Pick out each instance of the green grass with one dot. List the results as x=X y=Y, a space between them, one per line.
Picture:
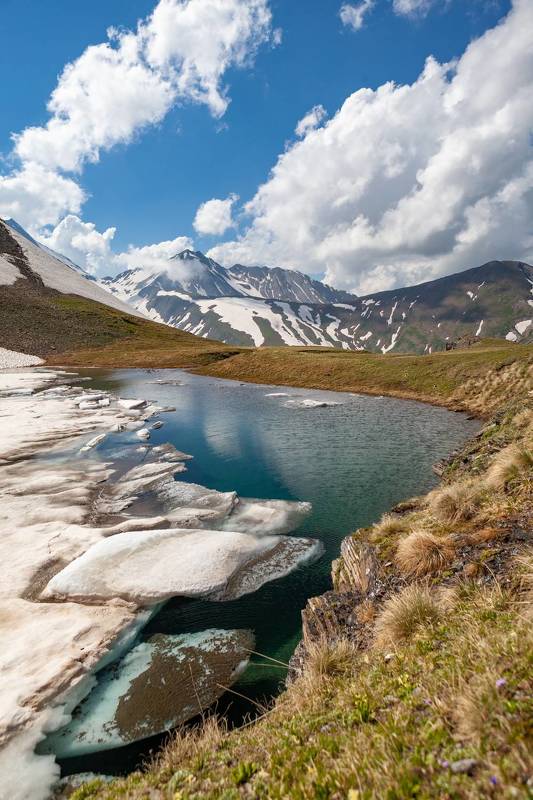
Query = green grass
x=434 y=378
x=380 y=728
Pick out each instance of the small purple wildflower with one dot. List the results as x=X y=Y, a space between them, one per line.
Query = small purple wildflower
x=494 y=780
x=500 y=682
x=445 y=764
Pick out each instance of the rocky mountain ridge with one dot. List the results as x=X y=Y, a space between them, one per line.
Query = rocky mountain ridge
x=264 y=306
x=256 y=306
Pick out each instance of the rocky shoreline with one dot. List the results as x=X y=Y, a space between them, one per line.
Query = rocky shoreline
x=83 y=573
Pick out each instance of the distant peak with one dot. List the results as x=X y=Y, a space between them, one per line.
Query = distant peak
x=15 y=226
x=190 y=255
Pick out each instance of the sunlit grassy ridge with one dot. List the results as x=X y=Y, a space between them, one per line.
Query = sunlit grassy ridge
x=426 y=689
x=438 y=378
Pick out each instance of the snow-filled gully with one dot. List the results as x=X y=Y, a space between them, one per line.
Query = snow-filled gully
x=82 y=575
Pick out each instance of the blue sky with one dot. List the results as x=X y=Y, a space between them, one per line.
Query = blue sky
x=150 y=188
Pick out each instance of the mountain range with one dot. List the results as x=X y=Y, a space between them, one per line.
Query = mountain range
x=259 y=305
x=271 y=306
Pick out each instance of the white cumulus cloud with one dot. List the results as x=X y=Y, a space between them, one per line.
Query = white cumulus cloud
x=214 y=217
x=353 y=16
x=407 y=183
x=311 y=120
x=81 y=242
x=153 y=257
x=411 y=8
x=114 y=90
x=37 y=196
x=93 y=250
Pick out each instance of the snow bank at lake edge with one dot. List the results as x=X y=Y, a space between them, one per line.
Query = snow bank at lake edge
x=48 y=503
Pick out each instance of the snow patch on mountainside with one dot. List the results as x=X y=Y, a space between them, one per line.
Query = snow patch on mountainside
x=57 y=275
x=522 y=326
x=8 y=272
x=10 y=359
x=243 y=314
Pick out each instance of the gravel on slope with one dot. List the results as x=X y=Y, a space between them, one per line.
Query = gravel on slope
x=10 y=359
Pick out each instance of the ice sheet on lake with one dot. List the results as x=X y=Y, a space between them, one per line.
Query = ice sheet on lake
x=147 y=567
x=308 y=402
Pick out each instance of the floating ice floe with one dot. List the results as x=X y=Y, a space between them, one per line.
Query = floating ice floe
x=262 y=517
x=143 y=433
x=132 y=405
x=88 y=398
x=277 y=394
x=147 y=567
x=92 y=442
x=309 y=403
x=156 y=686
x=157 y=425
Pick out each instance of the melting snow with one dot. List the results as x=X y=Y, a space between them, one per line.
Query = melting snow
x=181 y=295
x=393 y=341
x=309 y=403
x=332 y=328
x=479 y=328
x=522 y=327
x=10 y=359
x=389 y=321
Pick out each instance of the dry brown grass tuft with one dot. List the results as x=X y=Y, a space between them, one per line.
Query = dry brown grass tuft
x=327 y=659
x=524 y=573
x=423 y=553
x=474 y=706
x=523 y=419
x=511 y=463
x=485 y=535
x=413 y=609
x=390 y=524
x=456 y=502
x=190 y=743
x=365 y=613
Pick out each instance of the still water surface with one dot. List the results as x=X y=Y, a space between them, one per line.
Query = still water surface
x=352 y=461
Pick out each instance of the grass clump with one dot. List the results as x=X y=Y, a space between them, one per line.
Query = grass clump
x=405 y=614
x=326 y=659
x=510 y=464
x=455 y=502
x=389 y=525
x=423 y=553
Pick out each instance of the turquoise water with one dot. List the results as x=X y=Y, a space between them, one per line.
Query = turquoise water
x=352 y=461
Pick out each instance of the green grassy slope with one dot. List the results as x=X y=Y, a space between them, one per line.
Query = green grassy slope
x=48 y=324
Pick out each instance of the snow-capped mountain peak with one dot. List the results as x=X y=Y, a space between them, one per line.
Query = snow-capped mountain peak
x=262 y=305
